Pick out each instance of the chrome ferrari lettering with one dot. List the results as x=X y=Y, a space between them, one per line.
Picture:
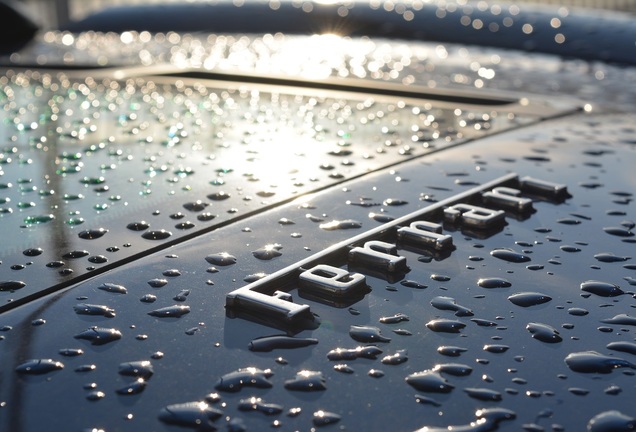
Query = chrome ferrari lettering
x=378 y=255
x=425 y=234
x=326 y=280
x=278 y=306
x=542 y=188
x=337 y=276
x=474 y=216
x=507 y=198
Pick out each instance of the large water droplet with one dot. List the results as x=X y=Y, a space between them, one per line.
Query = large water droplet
x=193 y=415
x=509 y=255
x=324 y=418
x=91 y=309
x=139 y=369
x=113 y=288
x=611 y=421
x=269 y=343
x=92 y=234
x=258 y=404
x=367 y=334
x=174 y=311
x=39 y=366
x=341 y=225
x=493 y=282
x=544 y=332
x=221 y=259
x=99 y=335
x=448 y=303
x=369 y=352
x=268 y=252
x=395 y=359
x=429 y=381
x=483 y=394
x=527 y=299
x=445 y=325
x=306 y=380
x=247 y=377
x=594 y=362
x=11 y=285
x=156 y=234
x=603 y=289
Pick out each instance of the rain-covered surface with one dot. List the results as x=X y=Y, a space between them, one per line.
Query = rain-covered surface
x=440 y=346
x=175 y=192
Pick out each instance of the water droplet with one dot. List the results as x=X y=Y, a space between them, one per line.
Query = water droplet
x=341 y=225
x=610 y=257
x=527 y=299
x=603 y=289
x=171 y=273
x=92 y=234
x=367 y=334
x=113 y=288
x=98 y=259
x=138 y=226
x=11 y=285
x=568 y=221
x=395 y=359
x=258 y=404
x=71 y=352
x=247 y=377
x=306 y=380
x=611 y=421
x=594 y=362
x=174 y=311
x=483 y=394
x=544 y=332
x=33 y=252
x=218 y=196
x=91 y=309
x=448 y=303
x=343 y=368
x=394 y=319
x=496 y=348
x=440 y=278
x=622 y=346
x=268 y=252
x=206 y=217
x=621 y=319
x=148 y=298
x=324 y=418
x=75 y=254
x=138 y=369
x=269 y=343
x=509 y=255
x=39 y=366
x=99 y=335
x=368 y=352
x=445 y=325
x=451 y=351
x=493 y=283
x=195 y=206
x=429 y=381
x=193 y=415
x=619 y=231
x=36 y=220
x=156 y=234
x=375 y=373
x=413 y=284
x=578 y=311
x=488 y=419
x=221 y=259
x=184 y=225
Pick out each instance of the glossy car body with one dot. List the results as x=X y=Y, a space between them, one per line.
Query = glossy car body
x=230 y=230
